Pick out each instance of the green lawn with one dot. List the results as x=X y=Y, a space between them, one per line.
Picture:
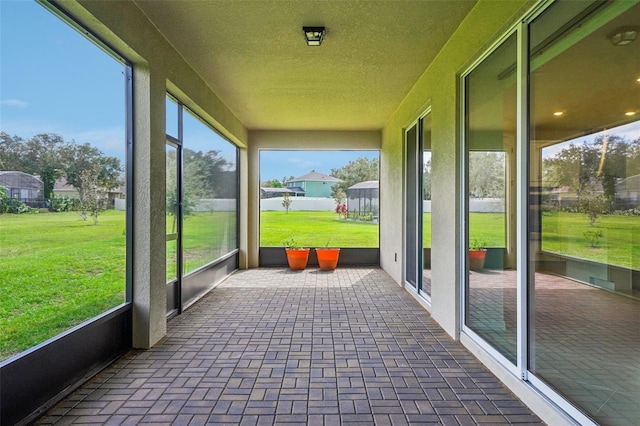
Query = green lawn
x=206 y=236
x=55 y=272
x=315 y=229
x=619 y=245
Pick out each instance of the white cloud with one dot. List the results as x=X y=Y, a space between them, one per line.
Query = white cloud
x=304 y=163
x=14 y=103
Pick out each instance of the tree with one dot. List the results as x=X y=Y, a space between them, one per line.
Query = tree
x=612 y=165
x=106 y=171
x=272 y=183
x=286 y=201
x=214 y=169
x=633 y=158
x=44 y=152
x=94 y=197
x=593 y=166
x=203 y=173
x=594 y=205
x=92 y=174
x=486 y=174
x=360 y=170
x=49 y=157
x=426 y=180
x=11 y=152
x=171 y=194
x=4 y=198
x=39 y=156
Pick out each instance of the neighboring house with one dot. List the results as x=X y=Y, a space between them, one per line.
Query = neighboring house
x=267 y=192
x=63 y=189
x=22 y=186
x=628 y=192
x=313 y=184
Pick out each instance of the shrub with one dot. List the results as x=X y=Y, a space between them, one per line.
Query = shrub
x=14 y=206
x=628 y=212
x=62 y=204
x=593 y=236
x=594 y=205
x=366 y=217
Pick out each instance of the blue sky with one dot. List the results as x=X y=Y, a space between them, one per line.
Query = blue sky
x=54 y=80
x=280 y=164
x=630 y=132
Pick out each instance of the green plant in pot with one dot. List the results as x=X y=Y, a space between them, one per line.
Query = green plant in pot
x=477 y=254
x=327 y=257
x=297 y=256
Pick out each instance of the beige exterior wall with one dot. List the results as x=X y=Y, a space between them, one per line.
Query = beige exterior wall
x=157 y=67
x=438 y=88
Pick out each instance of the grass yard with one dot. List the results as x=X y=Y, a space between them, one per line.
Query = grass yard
x=619 y=245
x=488 y=228
x=315 y=229
x=206 y=236
x=57 y=271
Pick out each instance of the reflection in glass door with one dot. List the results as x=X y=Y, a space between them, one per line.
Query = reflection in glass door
x=584 y=212
x=425 y=190
x=173 y=164
x=490 y=133
x=173 y=227
x=418 y=206
x=413 y=226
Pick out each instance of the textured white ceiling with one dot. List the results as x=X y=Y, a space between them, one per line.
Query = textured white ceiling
x=254 y=57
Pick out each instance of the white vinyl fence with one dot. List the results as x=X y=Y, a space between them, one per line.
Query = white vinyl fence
x=298 y=204
x=477 y=205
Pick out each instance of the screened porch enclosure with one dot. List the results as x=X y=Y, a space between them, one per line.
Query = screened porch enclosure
x=363 y=201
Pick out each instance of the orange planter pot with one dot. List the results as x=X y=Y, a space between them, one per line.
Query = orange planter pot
x=297 y=258
x=476 y=259
x=328 y=258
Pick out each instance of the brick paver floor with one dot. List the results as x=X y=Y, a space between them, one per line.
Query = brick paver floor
x=272 y=346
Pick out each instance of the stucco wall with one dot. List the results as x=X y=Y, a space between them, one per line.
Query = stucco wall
x=157 y=68
x=438 y=88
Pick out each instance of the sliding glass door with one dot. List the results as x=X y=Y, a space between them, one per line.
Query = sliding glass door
x=417 y=268
x=552 y=199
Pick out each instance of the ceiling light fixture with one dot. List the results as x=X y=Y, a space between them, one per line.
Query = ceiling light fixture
x=314 y=35
x=558 y=113
x=623 y=36
x=630 y=113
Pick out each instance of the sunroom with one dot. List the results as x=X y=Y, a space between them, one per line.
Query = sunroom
x=507 y=127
